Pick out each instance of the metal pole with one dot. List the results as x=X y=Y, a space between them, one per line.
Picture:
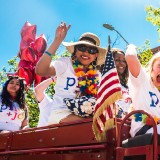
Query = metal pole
x=122 y=37
x=110 y=27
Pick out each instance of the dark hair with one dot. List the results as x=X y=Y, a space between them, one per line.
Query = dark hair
x=124 y=76
x=20 y=97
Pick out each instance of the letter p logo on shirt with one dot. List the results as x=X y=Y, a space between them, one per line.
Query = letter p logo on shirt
x=154 y=99
x=70 y=82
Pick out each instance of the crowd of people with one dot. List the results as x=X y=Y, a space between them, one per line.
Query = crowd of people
x=77 y=80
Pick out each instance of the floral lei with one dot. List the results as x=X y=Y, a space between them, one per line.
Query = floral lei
x=88 y=78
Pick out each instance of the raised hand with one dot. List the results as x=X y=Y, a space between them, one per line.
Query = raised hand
x=61 y=31
x=131 y=50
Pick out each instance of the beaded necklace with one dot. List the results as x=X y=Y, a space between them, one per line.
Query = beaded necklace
x=88 y=78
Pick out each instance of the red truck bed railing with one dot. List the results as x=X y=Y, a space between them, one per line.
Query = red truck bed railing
x=69 y=141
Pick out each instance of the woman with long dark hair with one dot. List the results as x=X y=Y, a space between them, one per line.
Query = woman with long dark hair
x=13 y=110
x=124 y=104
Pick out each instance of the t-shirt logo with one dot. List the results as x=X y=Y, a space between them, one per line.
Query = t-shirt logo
x=70 y=82
x=154 y=99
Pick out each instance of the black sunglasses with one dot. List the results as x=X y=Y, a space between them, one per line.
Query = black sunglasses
x=84 y=48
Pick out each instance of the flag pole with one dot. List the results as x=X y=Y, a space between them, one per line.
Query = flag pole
x=109 y=42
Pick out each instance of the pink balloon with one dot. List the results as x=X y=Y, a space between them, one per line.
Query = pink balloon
x=37 y=80
x=28 y=32
x=23 y=44
x=39 y=55
x=26 y=64
x=31 y=49
x=28 y=54
x=27 y=75
x=40 y=43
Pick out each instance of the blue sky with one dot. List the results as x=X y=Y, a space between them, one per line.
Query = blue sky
x=126 y=16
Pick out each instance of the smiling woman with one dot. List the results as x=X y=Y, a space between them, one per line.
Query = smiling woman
x=13 y=111
x=121 y=65
x=123 y=105
x=77 y=76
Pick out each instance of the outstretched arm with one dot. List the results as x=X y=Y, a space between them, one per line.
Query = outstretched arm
x=134 y=65
x=44 y=67
x=41 y=87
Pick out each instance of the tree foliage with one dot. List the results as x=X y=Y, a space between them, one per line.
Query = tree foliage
x=145 y=53
x=153 y=16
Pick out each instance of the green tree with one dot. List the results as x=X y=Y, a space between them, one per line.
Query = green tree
x=12 y=67
x=145 y=53
x=153 y=16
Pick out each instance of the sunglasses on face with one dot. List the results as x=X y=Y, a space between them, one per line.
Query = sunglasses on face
x=84 y=48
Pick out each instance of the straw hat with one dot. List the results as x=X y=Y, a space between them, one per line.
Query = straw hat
x=91 y=40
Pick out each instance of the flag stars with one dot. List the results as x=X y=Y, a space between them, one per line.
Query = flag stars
x=109 y=63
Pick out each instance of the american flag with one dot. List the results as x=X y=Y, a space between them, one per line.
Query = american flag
x=109 y=91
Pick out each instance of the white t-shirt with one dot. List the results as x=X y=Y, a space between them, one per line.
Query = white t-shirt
x=11 y=119
x=65 y=87
x=66 y=83
x=145 y=96
x=44 y=111
x=123 y=105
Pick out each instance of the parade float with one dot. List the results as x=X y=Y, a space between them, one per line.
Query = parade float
x=75 y=140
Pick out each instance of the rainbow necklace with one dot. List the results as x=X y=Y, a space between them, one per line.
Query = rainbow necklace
x=88 y=79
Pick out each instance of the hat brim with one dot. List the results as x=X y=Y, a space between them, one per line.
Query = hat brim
x=101 y=55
